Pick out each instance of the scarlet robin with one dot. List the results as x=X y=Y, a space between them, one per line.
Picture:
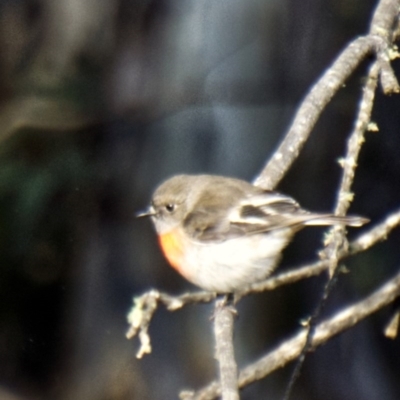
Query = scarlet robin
x=224 y=233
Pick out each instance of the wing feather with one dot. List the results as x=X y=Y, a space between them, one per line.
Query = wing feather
x=257 y=214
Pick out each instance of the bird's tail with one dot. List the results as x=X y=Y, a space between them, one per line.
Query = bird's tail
x=330 y=219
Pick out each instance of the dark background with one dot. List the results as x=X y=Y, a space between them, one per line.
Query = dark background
x=101 y=100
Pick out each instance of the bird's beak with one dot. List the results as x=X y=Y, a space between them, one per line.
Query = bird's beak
x=146 y=213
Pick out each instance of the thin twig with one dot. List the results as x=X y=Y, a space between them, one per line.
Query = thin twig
x=291 y=348
x=376 y=234
x=349 y=163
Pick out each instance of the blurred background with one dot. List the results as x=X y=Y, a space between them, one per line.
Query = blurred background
x=101 y=100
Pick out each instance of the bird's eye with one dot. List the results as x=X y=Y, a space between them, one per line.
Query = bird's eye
x=170 y=207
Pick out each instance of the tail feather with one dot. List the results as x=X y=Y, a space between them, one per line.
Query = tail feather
x=330 y=219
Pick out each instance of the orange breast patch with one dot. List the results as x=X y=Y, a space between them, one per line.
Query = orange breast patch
x=172 y=246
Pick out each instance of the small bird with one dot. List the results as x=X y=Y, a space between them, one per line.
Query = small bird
x=222 y=233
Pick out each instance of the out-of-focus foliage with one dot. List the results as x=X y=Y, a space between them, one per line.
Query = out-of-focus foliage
x=100 y=100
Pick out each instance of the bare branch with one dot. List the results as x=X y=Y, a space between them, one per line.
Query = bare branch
x=224 y=350
x=378 y=233
x=336 y=241
x=378 y=41
x=349 y=163
x=309 y=112
x=383 y=18
x=382 y=25
x=291 y=348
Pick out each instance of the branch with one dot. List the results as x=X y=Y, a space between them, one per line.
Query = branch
x=377 y=41
x=336 y=241
x=291 y=348
x=224 y=316
x=362 y=122
x=224 y=351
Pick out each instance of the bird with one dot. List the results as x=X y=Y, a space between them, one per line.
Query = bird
x=223 y=234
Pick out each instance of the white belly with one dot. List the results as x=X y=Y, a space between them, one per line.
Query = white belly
x=231 y=265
